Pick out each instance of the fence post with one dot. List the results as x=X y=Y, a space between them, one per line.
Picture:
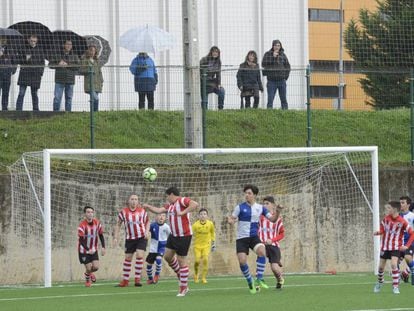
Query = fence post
x=308 y=108
x=91 y=101
x=412 y=113
x=204 y=103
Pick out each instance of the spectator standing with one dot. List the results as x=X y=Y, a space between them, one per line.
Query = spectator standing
x=277 y=69
x=145 y=79
x=7 y=69
x=90 y=66
x=210 y=66
x=249 y=80
x=32 y=62
x=66 y=65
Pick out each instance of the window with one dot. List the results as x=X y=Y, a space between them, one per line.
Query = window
x=325 y=91
x=322 y=15
x=331 y=65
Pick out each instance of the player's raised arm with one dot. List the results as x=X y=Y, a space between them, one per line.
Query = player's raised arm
x=192 y=205
x=154 y=209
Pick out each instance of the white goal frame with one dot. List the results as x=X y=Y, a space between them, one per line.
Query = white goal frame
x=48 y=153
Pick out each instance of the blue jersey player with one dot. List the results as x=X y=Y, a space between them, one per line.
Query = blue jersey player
x=247 y=214
x=405 y=203
x=159 y=235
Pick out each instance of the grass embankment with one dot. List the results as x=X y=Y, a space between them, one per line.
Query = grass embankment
x=389 y=130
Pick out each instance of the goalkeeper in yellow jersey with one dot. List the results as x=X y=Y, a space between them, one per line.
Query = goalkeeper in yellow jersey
x=204 y=238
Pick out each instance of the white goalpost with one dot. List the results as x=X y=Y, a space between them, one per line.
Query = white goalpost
x=331 y=196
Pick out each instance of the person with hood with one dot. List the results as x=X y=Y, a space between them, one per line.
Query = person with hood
x=145 y=79
x=32 y=66
x=249 y=80
x=210 y=66
x=7 y=69
x=277 y=69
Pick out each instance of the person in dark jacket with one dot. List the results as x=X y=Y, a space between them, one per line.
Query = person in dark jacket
x=210 y=66
x=277 y=69
x=249 y=80
x=66 y=65
x=32 y=62
x=7 y=69
x=145 y=79
x=91 y=65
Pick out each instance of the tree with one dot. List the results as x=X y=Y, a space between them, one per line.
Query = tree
x=382 y=46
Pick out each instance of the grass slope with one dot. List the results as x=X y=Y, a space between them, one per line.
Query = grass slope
x=389 y=130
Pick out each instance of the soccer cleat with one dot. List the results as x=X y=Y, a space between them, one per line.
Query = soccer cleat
x=252 y=288
x=196 y=280
x=204 y=281
x=261 y=283
x=280 y=283
x=149 y=282
x=183 y=291
x=156 y=278
x=88 y=284
x=123 y=283
x=138 y=282
x=404 y=276
x=395 y=290
x=377 y=287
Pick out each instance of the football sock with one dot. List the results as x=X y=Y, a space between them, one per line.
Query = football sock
x=395 y=277
x=380 y=276
x=205 y=268
x=246 y=273
x=126 y=269
x=261 y=265
x=184 y=271
x=87 y=277
x=174 y=265
x=158 y=265
x=139 y=264
x=149 y=271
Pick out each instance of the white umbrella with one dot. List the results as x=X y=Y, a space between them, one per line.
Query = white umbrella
x=149 y=39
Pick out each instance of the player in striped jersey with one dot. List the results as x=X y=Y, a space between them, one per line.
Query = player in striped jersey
x=408 y=254
x=159 y=235
x=179 y=240
x=247 y=214
x=135 y=221
x=392 y=230
x=88 y=232
x=270 y=234
x=204 y=241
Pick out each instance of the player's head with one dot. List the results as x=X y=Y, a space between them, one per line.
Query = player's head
x=172 y=194
x=160 y=218
x=203 y=214
x=133 y=201
x=405 y=202
x=393 y=207
x=89 y=212
x=250 y=193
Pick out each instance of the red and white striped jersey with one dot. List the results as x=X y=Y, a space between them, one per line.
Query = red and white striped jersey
x=134 y=221
x=392 y=230
x=268 y=230
x=180 y=225
x=91 y=232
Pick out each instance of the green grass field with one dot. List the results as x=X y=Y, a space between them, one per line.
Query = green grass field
x=348 y=291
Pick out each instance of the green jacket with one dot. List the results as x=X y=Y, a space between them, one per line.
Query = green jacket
x=97 y=76
x=65 y=74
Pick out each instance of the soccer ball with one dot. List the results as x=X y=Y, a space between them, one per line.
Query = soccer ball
x=149 y=174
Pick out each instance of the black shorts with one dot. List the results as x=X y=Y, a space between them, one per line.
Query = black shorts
x=244 y=244
x=273 y=253
x=409 y=251
x=132 y=245
x=151 y=257
x=389 y=254
x=180 y=245
x=88 y=258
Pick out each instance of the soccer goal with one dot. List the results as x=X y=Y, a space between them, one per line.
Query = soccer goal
x=330 y=197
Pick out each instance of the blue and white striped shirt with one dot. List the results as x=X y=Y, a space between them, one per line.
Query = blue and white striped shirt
x=248 y=218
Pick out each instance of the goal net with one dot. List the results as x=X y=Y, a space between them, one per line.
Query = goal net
x=330 y=195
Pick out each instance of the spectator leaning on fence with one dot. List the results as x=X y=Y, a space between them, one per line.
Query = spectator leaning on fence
x=66 y=65
x=276 y=68
x=249 y=80
x=90 y=66
x=32 y=62
x=145 y=79
x=7 y=69
x=210 y=66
